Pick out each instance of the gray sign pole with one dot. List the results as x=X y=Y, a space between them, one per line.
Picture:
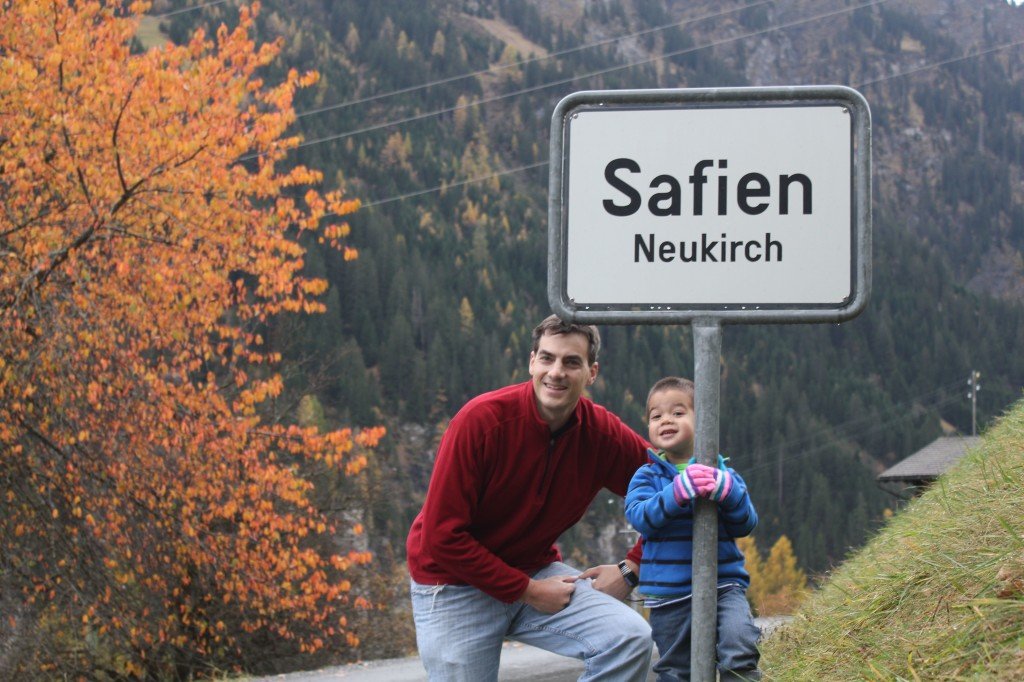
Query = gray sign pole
x=707 y=349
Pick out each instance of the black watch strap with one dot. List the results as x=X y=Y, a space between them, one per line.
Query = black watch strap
x=628 y=575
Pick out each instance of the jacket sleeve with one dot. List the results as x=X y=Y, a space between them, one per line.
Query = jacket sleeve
x=636 y=555
x=650 y=504
x=737 y=511
x=448 y=513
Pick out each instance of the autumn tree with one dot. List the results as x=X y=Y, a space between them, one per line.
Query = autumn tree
x=153 y=519
x=754 y=564
x=777 y=584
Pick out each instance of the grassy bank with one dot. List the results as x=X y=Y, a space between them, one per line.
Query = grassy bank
x=937 y=594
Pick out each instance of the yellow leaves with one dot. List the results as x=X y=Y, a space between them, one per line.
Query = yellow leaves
x=161 y=255
x=94 y=393
x=307 y=79
x=355 y=465
x=313 y=287
x=777 y=585
x=370 y=437
x=335 y=232
x=466 y=316
x=347 y=206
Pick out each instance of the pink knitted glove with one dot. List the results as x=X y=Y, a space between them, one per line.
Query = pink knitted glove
x=683 y=488
x=703 y=477
x=723 y=484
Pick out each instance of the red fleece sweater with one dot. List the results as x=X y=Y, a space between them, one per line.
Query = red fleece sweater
x=503 y=490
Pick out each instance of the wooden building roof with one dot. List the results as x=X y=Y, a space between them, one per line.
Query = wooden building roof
x=930 y=462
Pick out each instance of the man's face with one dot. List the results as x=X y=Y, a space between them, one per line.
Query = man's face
x=560 y=372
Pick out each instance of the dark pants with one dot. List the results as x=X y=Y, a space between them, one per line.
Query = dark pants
x=737 y=638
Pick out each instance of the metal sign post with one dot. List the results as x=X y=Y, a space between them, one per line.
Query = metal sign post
x=707 y=351
x=710 y=207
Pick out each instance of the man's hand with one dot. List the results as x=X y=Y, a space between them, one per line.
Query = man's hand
x=608 y=579
x=550 y=595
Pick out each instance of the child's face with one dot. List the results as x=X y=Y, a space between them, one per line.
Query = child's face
x=671 y=424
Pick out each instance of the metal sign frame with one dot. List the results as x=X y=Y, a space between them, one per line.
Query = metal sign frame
x=640 y=312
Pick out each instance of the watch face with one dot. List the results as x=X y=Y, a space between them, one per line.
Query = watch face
x=631 y=578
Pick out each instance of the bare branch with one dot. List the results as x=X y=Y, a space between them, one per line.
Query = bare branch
x=117 y=129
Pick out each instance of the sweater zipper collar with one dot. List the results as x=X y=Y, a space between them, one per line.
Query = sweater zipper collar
x=552 y=442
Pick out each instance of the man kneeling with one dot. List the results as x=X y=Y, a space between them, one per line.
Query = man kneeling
x=515 y=469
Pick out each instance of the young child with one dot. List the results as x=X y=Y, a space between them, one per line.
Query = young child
x=659 y=504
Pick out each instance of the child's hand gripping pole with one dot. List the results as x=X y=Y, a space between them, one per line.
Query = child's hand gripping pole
x=684 y=487
x=709 y=482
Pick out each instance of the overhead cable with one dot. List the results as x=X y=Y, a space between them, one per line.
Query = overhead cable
x=864 y=84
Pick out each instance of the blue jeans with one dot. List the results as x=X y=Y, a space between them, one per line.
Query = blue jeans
x=459 y=631
x=736 y=641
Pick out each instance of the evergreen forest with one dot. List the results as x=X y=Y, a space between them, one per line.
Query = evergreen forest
x=435 y=114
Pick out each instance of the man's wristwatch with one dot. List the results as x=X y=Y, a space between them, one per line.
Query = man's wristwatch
x=628 y=575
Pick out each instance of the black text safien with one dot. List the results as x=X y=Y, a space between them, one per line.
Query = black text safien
x=751 y=194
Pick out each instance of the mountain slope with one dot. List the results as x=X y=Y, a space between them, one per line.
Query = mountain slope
x=937 y=594
x=440 y=125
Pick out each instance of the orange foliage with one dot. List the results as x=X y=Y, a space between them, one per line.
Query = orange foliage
x=777 y=585
x=152 y=524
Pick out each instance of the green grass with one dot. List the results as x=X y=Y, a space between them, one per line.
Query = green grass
x=932 y=596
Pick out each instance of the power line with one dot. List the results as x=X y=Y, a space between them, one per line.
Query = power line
x=938 y=397
x=523 y=62
x=534 y=88
x=831 y=441
x=830 y=433
x=570 y=79
x=460 y=183
x=188 y=9
x=942 y=63
x=864 y=84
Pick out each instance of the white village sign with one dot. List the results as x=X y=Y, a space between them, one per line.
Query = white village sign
x=742 y=204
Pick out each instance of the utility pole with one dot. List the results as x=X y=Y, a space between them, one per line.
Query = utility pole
x=973 y=386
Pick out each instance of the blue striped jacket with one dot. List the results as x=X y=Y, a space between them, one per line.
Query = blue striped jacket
x=667 y=530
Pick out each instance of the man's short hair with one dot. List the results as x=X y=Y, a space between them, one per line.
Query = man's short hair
x=554 y=325
x=668 y=384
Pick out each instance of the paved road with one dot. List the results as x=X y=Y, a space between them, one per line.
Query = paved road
x=519 y=663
